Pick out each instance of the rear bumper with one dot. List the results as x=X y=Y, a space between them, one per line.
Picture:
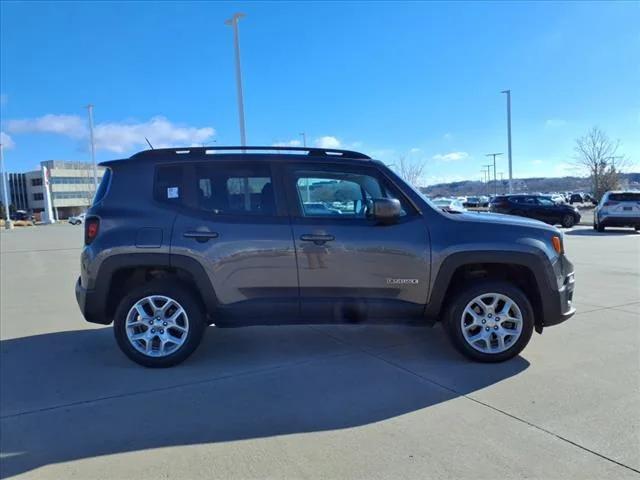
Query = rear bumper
x=90 y=305
x=613 y=221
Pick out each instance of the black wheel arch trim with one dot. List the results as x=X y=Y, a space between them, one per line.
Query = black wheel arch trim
x=536 y=262
x=96 y=300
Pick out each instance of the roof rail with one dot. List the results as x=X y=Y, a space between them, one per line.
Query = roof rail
x=200 y=151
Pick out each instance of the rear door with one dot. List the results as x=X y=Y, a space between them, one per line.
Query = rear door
x=232 y=220
x=351 y=268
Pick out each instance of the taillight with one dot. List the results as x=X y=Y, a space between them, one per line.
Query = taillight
x=91 y=229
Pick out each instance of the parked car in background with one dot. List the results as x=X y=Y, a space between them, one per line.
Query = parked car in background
x=558 y=198
x=537 y=207
x=77 y=219
x=449 y=204
x=471 y=202
x=576 y=198
x=21 y=216
x=617 y=209
x=484 y=201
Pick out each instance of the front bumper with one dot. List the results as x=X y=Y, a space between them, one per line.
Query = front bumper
x=559 y=304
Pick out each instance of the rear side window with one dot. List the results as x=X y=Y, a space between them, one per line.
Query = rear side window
x=103 y=187
x=234 y=189
x=625 y=197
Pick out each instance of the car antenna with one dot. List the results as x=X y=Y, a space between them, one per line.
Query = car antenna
x=149 y=143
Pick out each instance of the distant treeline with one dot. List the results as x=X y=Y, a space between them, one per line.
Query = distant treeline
x=524 y=185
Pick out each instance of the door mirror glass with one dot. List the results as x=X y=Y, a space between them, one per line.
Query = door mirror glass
x=385 y=210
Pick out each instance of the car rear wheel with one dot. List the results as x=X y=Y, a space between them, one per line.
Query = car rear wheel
x=568 y=221
x=159 y=324
x=491 y=321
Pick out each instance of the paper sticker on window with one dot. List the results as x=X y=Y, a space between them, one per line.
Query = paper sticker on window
x=173 y=192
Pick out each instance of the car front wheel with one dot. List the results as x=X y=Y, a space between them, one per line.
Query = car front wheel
x=491 y=321
x=568 y=221
x=159 y=324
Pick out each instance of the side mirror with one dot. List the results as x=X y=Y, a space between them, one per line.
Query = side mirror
x=384 y=210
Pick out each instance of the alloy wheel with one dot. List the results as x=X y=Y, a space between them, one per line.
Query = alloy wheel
x=157 y=326
x=491 y=323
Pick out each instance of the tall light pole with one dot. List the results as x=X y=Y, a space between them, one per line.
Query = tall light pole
x=233 y=21
x=495 y=178
x=5 y=195
x=501 y=179
x=508 y=92
x=304 y=139
x=93 y=148
x=488 y=167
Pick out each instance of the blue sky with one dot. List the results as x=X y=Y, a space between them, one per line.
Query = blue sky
x=420 y=80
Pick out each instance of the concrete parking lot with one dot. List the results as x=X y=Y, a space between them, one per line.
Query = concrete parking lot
x=328 y=402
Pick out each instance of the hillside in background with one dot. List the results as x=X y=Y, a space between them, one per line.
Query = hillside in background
x=523 y=185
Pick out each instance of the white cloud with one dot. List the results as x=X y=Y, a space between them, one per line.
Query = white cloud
x=415 y=150
x=290 y=143
x=537 y=162
x=122 y=137
x=67 y=125
x=327 y=142
x=451 y=157
x=555 y=123
x=117 y=137
x=6 y=141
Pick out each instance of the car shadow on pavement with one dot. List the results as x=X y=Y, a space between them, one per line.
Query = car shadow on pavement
x=72 y=395
x=608 y=232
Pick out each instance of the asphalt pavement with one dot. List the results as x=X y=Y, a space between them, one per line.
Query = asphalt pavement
x=330 y=402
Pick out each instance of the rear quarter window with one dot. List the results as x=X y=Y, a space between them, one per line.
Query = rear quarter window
x=103 y=187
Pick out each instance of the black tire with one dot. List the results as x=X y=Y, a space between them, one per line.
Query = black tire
x=568 y=221
x=189 y=303
x=600 y=228
x=453 y=317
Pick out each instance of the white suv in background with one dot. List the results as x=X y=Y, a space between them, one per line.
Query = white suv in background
x=617 y=209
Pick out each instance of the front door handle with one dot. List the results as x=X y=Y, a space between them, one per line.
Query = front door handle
x=318 y=239
x=200 y=236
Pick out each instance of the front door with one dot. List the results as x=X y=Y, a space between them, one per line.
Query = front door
x=233 y=221
x=350 y=267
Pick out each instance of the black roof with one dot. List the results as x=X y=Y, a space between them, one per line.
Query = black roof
x=201 y=151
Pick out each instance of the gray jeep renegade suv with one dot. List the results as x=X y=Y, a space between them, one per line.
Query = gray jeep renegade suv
x=178 y=239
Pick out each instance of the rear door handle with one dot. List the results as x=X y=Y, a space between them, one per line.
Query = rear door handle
x=201 y=236
x=316 y=238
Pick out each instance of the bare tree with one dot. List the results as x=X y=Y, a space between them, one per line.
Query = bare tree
x=596 y=153
x=411 y=171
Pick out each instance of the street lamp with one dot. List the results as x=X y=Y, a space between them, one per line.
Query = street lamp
x=488 y=167
x=93 y=148
x=304 y=139
x=508 y=93
x=495 y=179
x=233 y=21
x=5 y=194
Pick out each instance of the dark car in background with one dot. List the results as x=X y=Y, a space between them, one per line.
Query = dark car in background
x=537 y=207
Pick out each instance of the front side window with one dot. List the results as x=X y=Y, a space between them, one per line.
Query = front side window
x=340 y=194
